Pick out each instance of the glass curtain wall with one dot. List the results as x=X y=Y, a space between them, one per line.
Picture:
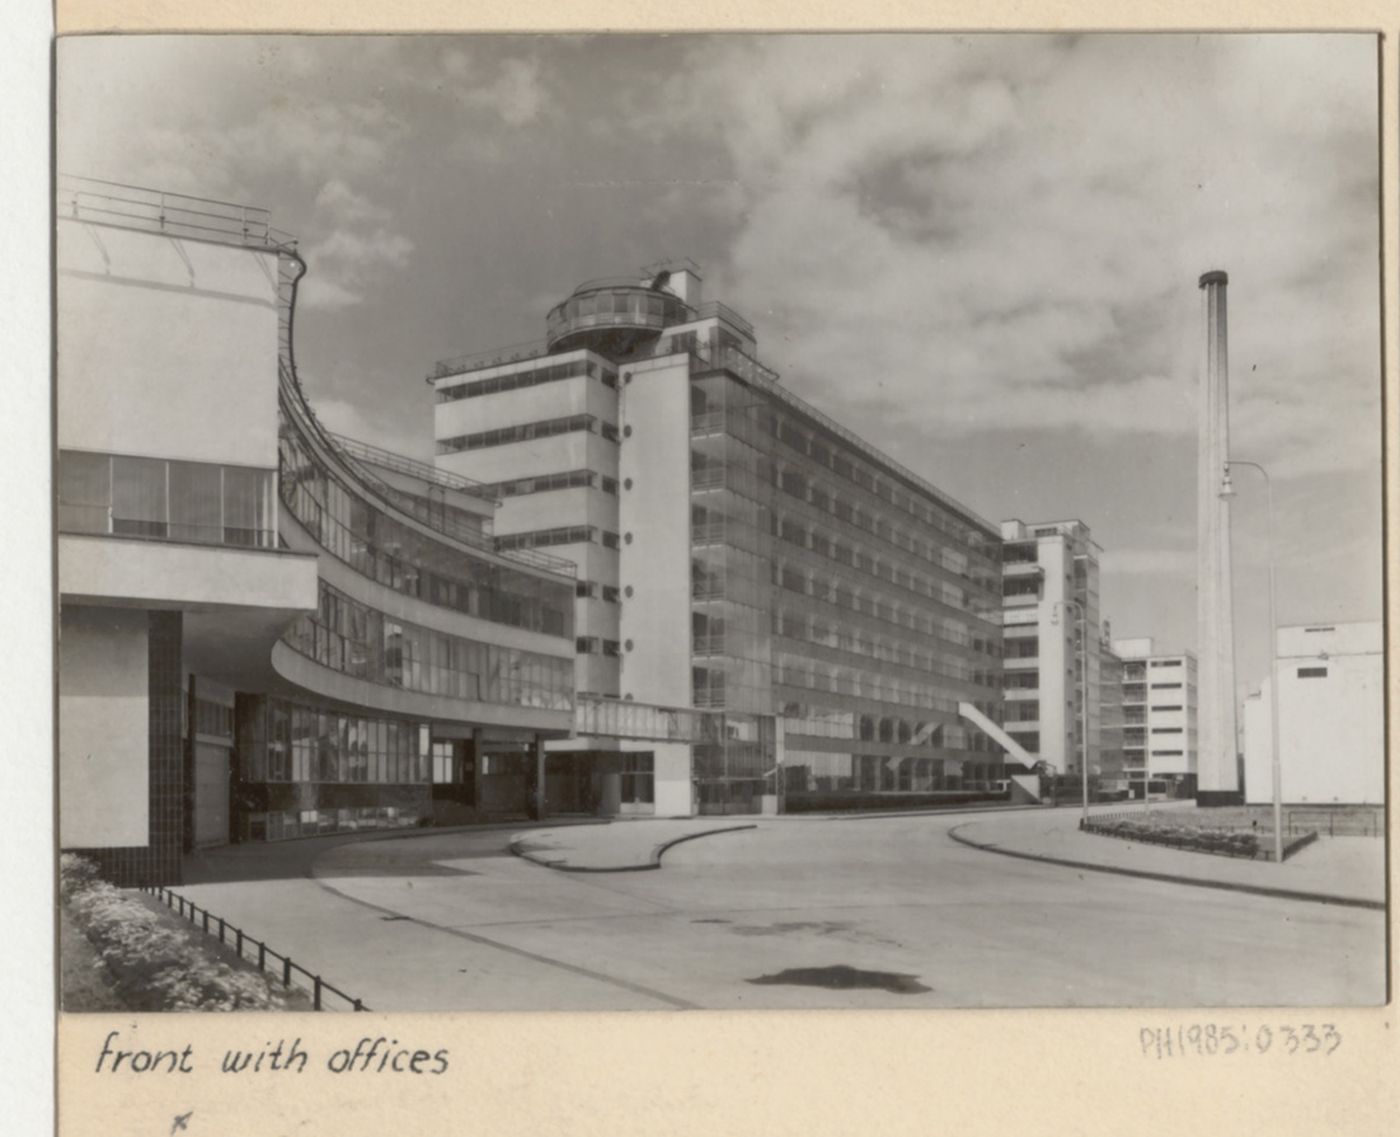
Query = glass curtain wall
x=304 y=771
x=398 y=556
x=357 y=640
x=881 y=614
x=166 y=500
x=731 y=590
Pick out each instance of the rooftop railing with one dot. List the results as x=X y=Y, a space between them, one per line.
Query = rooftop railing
x=304 y=418
x=534 y=349
x=389 y=460
x=492 y=357
x=176 y=214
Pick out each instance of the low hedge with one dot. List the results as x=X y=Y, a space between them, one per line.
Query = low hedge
x=1221 y=842
x=156 y=967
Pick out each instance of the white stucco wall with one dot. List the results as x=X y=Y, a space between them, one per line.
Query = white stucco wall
x=1332 y=732
x=167 y=575
x=1055 y=628
x=656 y=512
x=103 y=728
x=672 y=779
x=166 y=347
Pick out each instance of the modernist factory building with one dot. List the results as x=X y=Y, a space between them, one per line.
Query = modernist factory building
x=739 y=552
x=265 y=632
x=641 y=577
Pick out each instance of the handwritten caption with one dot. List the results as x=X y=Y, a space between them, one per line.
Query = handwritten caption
x=370 y=1055
x=1206 y=1040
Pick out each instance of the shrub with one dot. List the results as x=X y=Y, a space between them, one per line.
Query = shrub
x=156 y=967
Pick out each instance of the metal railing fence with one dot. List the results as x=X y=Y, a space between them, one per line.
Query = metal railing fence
x=405 y=465
x=230 y=936
x=178 y=214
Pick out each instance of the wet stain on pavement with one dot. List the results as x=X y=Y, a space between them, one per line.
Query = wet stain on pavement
x=823 y=927
x=840 y=929
x=842 y=977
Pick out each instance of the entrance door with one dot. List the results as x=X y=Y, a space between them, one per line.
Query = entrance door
x=211 y=776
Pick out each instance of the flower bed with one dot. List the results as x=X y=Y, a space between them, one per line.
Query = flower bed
x=1221 y=842
x=155 y=967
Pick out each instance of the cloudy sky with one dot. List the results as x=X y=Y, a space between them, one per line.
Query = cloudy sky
x=981 y=253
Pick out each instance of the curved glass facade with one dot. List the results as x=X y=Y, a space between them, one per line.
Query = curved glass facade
x=399 y=557
x=615 y=306
x=364 y=643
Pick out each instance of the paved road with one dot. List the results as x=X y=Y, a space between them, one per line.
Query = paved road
x=453 y=922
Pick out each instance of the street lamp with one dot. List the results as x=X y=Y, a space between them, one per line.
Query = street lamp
x=1226 y=490
x=1083 y=704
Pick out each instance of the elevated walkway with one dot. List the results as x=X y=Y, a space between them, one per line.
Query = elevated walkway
x=1025 y=787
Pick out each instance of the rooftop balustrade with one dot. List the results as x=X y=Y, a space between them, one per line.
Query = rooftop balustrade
x=175 y=214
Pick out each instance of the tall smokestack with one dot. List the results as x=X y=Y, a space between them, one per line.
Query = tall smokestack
x=1217 y=769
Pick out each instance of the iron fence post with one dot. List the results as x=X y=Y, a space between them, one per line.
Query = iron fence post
x=316 y=998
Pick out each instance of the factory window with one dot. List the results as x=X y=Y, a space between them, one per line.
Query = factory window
x=543 y=429
x=570 y=535
x=1312 y=673
x=1166 y=686
x=638 y=778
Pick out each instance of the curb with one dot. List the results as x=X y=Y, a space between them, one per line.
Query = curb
x=932 y=811
x=1172 y=878
x=515 y=846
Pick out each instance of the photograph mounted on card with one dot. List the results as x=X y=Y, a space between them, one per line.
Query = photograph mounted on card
x=602 y=523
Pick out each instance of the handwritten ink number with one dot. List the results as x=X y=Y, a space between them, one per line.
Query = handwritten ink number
x=1329 y=1033
x=1290 y=1038
x=1228 y=1039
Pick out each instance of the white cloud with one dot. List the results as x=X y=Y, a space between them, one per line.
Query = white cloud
x=517 y=95
x=357 y=247
x=353 y=421
x=984 y=233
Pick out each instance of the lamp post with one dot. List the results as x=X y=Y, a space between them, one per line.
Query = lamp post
x=1083 y=705
x=1227 y=489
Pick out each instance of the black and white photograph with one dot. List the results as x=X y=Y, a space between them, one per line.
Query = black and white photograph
x=627 y=522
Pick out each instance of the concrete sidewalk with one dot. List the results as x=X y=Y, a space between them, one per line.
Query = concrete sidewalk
x=623 y=846
x=1337 y=870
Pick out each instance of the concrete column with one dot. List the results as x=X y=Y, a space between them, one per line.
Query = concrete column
x=478 y=736
x=538 y=748
x=1218 y=779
